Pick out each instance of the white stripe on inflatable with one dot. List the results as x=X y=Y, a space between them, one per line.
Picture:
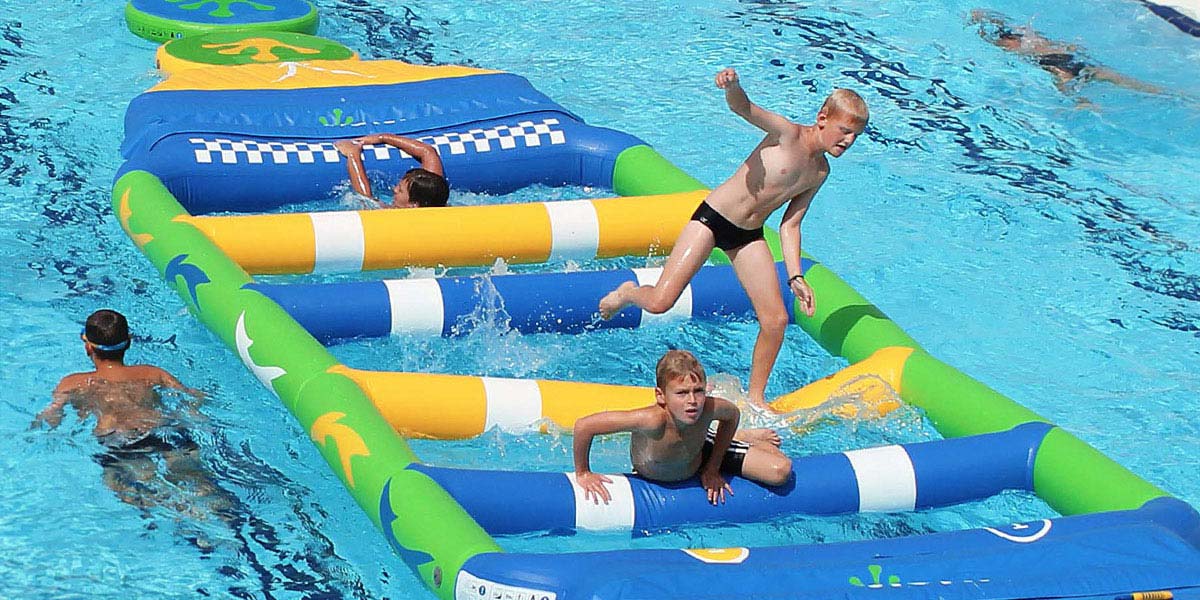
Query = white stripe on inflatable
x=682 y=310
x=574 y=230
x=417 y=306
x=617 y=514
x=886 y=480
x=339 y=241
x=512 y=404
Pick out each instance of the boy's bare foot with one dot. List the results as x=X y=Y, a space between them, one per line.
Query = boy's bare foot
x=759 y=401
x=762 y=435
x=614 y=301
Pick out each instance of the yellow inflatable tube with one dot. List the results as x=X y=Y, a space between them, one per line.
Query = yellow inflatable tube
x=455 y=236
x=461 y=406
x=872 y=385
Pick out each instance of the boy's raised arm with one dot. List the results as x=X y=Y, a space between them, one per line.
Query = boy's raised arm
x=589 y=427
x=352 y=150
x=424 y=153
x=740 y=104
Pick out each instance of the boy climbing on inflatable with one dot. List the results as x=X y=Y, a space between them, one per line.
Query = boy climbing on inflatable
x=787 y=167
x=423 y=186
x=671 y=440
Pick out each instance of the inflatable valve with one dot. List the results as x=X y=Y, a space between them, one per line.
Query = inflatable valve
x=1155 y=595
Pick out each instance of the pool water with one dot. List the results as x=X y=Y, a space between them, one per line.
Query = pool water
x=1048 y=250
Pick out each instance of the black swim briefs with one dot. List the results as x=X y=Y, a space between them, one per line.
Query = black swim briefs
x=154 y=442
x=1063 y=62
x=735 y=456
x=727 y=235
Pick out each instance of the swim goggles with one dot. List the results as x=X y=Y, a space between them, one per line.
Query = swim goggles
x=104 y=347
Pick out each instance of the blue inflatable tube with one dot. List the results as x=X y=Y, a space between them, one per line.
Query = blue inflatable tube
x=1102 y=555
x=888 y=478
x=255 y=150
x=533 y=303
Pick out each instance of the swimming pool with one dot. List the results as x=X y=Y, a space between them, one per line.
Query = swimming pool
x=1049 y=253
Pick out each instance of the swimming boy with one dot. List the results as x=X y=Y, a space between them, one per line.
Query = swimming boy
x=1063 y=61
x=419 y=187
x=671 y=440
x=787 y=167
x=131 y=422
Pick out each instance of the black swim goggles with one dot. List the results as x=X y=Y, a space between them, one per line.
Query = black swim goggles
x=104 y=347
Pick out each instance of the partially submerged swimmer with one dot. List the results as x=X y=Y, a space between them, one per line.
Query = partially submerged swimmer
x=132 y=424
x=424 y=186
x=1063 y=61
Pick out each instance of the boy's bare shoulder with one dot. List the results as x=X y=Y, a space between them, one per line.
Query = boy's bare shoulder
x=73 y=382
x=795 y=130
x=147 y=369
x=652 y=417
x=151 y=374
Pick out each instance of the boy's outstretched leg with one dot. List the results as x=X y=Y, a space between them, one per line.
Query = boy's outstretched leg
x=755 y=268
x=692 y=248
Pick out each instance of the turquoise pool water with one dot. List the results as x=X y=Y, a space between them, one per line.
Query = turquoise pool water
x=1048 y=251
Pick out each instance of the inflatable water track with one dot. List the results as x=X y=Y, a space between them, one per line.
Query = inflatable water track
x=244 y=137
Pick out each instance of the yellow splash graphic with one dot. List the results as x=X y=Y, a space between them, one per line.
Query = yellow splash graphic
x=349 y=443
x=264 y=48
x=123 y=213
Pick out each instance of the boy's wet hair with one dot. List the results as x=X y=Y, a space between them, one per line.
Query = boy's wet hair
x=677 y=364
x=426 y=188
x=846 y=102
x=107 y=327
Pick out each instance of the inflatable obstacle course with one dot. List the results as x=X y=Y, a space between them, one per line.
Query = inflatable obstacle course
x=268 y=129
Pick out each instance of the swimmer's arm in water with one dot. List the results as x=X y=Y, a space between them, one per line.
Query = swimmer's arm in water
x=52 y=415
x=772 y=123
x=980 y=15
x=164 y=379
x=599 y=424
x=168 y=381
x=727 y=416
x=790 y=241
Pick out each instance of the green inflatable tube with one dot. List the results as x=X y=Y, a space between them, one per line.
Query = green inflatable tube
x=1075 y=478
x=359 y=445
x=957 y=404
x=642 y=171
